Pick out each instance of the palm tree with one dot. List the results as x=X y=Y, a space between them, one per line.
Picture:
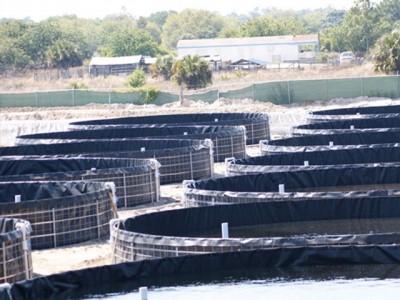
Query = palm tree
x=387 y=52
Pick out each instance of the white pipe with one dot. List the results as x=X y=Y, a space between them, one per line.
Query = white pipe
x=143 y=293
x=143 y=149
x=225 y=230
x=21 y=226
x=281 y=188
x=330 y=144
x=306 y=163
x=351 y=126
x=17 y=198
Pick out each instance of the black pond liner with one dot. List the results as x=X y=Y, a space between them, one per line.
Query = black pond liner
x=369 y=112
x=60 y=213
x=297 y=263
x=136 y=180
x=291 y=161
x=327 y=182
x=347 y=126
x=15 y=253
x=228 y=141
x=169 y=233
x=179 y=159
x=321 y=142
x=257 y=124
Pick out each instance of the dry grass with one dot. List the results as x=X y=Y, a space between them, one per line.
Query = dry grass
x=51 y=79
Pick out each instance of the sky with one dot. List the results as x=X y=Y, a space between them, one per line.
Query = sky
x=38 y=10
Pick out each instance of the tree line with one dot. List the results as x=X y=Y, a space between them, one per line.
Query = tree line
x=67 y=41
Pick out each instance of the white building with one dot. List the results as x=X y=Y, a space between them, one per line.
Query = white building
x=268 y=48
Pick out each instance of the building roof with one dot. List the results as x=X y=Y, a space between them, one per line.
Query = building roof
x=149 y=60
x=122 y=60
x=249 y=41
x=251 y=61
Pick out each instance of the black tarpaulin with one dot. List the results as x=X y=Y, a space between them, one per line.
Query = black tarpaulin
x=343 y=126
x=366 y=112
x=337 y=157
x=47 y=193
x=153 y=147
x=333 y=179
x=257 y=125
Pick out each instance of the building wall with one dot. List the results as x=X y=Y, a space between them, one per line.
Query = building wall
x=267 y=53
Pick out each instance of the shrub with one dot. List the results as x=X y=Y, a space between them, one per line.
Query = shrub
x=150 y=94
x=77 y=86
x=240 y=73
x=225 y=77
x=136 y=79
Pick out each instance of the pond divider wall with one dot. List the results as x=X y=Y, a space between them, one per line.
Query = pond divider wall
x=292 y=161
x=256 y=124
x=320 y=182
x=320 y=142
x=136 y=181
x=283 y=262
x=15 y=250
x=366 y=112
x=347 y=126
x=60 y=213
x=228 y=141
x=166 y=233
x=179 y=159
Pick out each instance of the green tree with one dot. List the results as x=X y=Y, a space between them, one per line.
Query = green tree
x=192 y=71
x=160 y=17
x=154 y=31
x=163 y=67
x=333 y=18
x=141 y=23
x=127 y=40
x=362 y=26
x=389 y=10
x=200 y=24
x=12 y=55
x=387 y=53
x=136 y=79
x=266 y=26
x=64 y=54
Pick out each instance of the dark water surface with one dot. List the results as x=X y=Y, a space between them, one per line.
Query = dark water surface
x=311 y=282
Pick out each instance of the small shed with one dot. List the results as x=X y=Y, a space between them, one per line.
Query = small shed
x=249 y=64
x=118 y=66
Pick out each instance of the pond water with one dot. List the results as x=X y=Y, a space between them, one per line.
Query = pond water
x=312 y=282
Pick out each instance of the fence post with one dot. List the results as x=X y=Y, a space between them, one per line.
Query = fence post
x=362 y=87
x=326 y=90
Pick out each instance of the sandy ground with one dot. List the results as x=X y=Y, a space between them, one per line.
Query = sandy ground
x=98 y=252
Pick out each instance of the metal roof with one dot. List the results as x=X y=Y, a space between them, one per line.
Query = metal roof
x=253 y=61
x=122 y=60
x=249 y=41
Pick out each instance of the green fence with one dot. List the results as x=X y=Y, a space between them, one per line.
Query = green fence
x=279 y=92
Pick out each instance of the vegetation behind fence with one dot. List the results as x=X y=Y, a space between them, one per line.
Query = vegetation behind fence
x=278 y=92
